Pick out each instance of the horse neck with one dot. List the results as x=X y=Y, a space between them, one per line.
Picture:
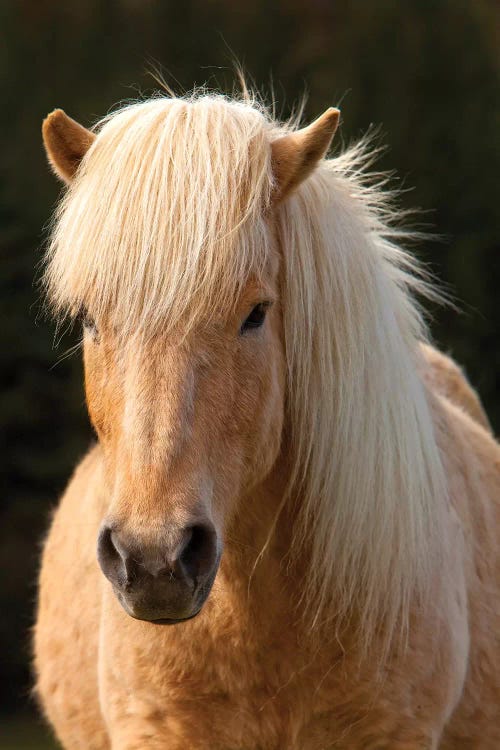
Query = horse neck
x=260 y=564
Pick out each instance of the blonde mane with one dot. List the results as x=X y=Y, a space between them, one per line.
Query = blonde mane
x=168 y=216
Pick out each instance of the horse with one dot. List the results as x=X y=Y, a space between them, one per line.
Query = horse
x=286 y=535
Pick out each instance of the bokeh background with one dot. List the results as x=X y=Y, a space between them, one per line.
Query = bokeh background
x=427 y=71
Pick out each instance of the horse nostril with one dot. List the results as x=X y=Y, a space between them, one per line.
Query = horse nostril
x=198 y=555
x=106 y=550
x=111 y=559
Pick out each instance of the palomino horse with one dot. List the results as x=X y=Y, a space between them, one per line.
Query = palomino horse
x=295 y=499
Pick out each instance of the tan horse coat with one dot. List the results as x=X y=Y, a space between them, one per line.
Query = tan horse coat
x=249 y=672
x=237 y=682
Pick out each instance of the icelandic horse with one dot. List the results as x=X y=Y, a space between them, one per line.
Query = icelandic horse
x=295 y=499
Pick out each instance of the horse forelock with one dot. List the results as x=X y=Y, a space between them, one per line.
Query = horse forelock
x=164 y=221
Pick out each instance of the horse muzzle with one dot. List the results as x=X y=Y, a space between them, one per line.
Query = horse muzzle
x=167 y=582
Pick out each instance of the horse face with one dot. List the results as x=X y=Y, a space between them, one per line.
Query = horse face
x=187 y=426
x=187 y=423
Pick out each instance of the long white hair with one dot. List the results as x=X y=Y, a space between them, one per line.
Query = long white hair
x=167 y=217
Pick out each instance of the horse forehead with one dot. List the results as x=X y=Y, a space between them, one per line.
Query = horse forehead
x=173 y=370
x=158 y=363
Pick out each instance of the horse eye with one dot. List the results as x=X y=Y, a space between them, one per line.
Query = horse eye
x=256 y=317
x=88 y=323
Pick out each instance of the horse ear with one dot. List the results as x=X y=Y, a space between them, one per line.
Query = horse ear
x=294 y=156
x=66 y=143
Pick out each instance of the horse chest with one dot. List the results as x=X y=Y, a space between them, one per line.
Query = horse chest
x=233 y=691
x=247 y=702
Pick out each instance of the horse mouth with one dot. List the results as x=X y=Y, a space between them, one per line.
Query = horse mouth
x=157 y=615
x=172 y=621
x=163 y=603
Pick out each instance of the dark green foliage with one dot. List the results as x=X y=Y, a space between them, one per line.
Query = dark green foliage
x=428 y=70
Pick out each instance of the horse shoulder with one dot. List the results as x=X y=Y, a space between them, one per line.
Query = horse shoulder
x=68 y=616
x=471 y=458
x=443 y=375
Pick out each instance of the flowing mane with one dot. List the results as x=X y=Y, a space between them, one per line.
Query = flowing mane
x=164 y=223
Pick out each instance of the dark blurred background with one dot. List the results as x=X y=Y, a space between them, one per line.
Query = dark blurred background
x=428 y=71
